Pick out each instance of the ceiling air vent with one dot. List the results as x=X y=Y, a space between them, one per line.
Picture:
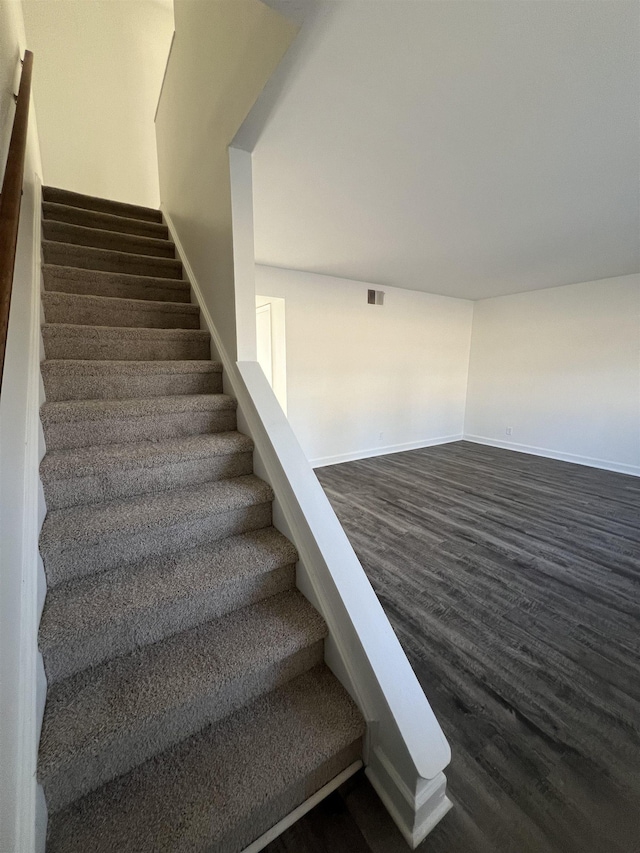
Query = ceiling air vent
x=375 y=297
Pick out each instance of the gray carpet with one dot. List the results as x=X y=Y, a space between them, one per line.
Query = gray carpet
x=97 y=311
x=109 y=260
x=64 y=232
x=68 y=340
x=63 y=279
x=79 y=423
x=105 y=221
x=88 y=475
x=188 y=707
x=90 y=379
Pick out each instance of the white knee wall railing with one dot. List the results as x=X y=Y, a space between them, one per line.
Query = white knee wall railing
x=405 y=750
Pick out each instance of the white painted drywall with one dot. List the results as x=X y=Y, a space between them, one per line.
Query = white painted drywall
x=561 y=368
x=222 y=55
x=97 y=76
x=471 y=149
x=369 y=379
x=22 y=822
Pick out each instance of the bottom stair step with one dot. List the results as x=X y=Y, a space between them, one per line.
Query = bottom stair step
x=107 y=720
x=225 y=786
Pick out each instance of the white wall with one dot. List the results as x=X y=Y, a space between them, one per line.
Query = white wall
x=368 y=379
x=21 y=511
x=98 y=68
x=222 y=56
x=561 y=368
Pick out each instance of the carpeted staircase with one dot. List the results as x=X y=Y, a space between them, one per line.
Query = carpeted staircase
x=188 y=705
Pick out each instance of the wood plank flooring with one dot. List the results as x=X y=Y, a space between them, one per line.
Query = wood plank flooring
x=513 y=583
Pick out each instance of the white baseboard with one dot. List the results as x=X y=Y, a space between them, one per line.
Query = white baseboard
x=382 y=451
x=604 y=464
x=302 y=809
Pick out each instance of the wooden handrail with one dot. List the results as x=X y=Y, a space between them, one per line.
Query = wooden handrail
x=11 y=198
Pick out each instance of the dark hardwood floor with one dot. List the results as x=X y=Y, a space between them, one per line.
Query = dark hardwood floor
x=513 y=585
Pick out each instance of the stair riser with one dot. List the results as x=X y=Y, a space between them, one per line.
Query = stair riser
x=153 y=736
x=116 y=208
x=78 y=312
x=61 y=232
x=92 y=219
x=64 y=562
x=160 y=621
x=60 y=435
x=126 y=349
x=109 y=261
x=60 y=494
x=260 y=819
x=92 y=283
x=125 y=387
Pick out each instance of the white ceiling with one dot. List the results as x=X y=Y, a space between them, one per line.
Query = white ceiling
x=471 y=149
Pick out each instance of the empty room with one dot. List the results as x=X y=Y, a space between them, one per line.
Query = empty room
x=478 y=432
x=320 y=426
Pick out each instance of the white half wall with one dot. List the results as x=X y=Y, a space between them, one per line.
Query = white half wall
x=97 y=73
x=560 y=368
x=222 y=55
x=362 y=379
x=22 y=509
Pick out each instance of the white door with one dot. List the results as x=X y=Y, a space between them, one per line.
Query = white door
x=264 y=342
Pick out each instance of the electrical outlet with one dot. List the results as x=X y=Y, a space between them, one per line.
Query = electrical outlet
x=381 y=436
x=508 y=430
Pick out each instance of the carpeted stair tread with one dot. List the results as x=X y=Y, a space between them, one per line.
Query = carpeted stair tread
x=188 y=707
x=91 y=538
x=84 y=423
x=106 y=720
x=90 y=379
x=105 y=221
x=95 y=410
x=80 y=462
x=86 y=257
x=226 y=785
x=105 y=367
x=82 y=309
x=79 y=235
x=70 y=341
x=92 y=475
x=66 y=279
x=86 y=523
x=90 y=620
x=88 y=202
